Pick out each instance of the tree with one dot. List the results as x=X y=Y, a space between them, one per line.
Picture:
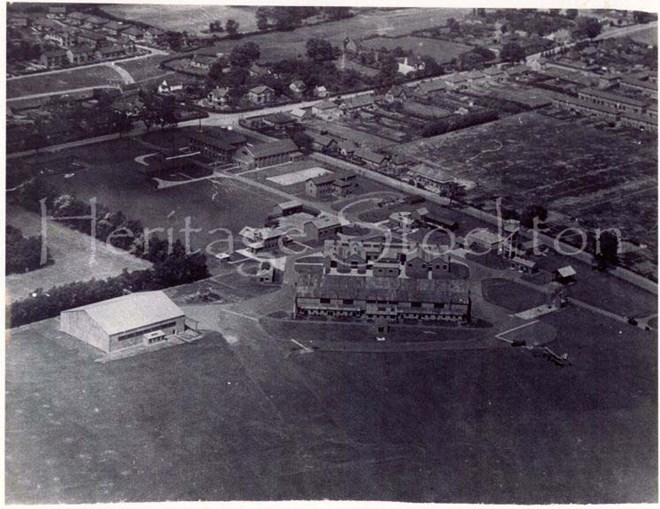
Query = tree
x=512 y=52
x=174 y=40
x=571 y=13
x=389 y=69
x=530 y=213
x=607 y=252
x=320 y=50
x=587 y=27
x=303 y=140
x=642 y=17
x=232 y=27
x=245 y=55
x=262 y=22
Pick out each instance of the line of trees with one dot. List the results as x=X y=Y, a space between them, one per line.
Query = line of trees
x=22 y=254
x=455 y=122
x=172 y=263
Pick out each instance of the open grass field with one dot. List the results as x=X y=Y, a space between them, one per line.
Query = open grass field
x=442 y=51
x=191 y=18
x=647 y=36
x=599 y=176
x=74 y=257
x=510 y=295
x=210 y=204
x=147 y=68
x=65 y=80
x=276 y=46
x=255 y=420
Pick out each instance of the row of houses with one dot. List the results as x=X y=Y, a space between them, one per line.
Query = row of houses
x=83 y=54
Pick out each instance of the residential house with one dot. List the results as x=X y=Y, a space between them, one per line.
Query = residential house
x=134 y=33
x=80 y=54
x=205 y=58
x=427 y=87
x=288 y=208
x=298 y=87
x=475 y=78
x=321 y=91
x=329 y=185
x=153 y=36
x=455 y=81
x=565 y=275
x=371 y=159
x=95 y=22
x=396 y=93
x=323 y=142
x=410 y=64
x=261 y=95
x=110 y=52
x=169 y=87
x=115 y=28
x=494 y=74
x=326 y=110
x=93 y=39
x=434 y=220
x=300 y=113
x=54 y=58
x=322 y=227
x=76 y=18
x=263 y=239
x=258 y=71
x=219 y=96
x=523 y=265
x=357 y=103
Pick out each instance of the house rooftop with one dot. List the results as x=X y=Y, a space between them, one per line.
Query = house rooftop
x=272 y=148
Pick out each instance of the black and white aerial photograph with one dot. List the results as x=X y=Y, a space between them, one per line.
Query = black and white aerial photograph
x=330 y=252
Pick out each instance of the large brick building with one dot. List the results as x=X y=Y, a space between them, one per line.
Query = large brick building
x=391 y=299
x=268 y=154
x=217 y=144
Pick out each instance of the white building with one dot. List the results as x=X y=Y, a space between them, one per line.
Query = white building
x=134 y=319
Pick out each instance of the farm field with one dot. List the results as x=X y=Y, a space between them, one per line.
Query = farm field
x=564 y=165
x=254 y=420
x=65 y=80
x=442 y=51
x=210 y=204
x=279 y=45
x=72 y=255
x=647 y=36
x=191 y=18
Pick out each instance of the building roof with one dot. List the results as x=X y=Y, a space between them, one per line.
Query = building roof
x=325 y=105
x=359 y=101
x=220 y=138
x=279 y=118
x=609 y=96
x=524 y=262
x=272 y=148
x=83 y=48
x=109 y=50
x=86 y=34
x=475 y=75
x=323 y=179
x=325 y=221
x=54 y=53
x=131 y=311
x=455 y=78
x=77 y=15
x=117 y=25
x=493 y=71
x=382 y=289
x=634 y=82
x=427 y=87
x=219 y=92
x=95 y=20
x=133 y=30
x=291 y=204
x=371 y=156
x=567 y=271
x=484 y=236
x=261 y=89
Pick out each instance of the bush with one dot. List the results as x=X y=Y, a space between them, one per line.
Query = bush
x=455 y=122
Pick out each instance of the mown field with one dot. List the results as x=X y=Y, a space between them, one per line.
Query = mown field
x=279 y=45
x=600 y=176
x=116 y=183
x=442 y=51
x=255 y=420
x=61 y=81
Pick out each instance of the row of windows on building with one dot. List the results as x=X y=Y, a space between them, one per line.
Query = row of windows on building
x=146 y=331
x=349 y=302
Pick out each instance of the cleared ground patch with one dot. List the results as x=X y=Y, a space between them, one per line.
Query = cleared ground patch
x=510 y=295
x=442 y=51
x=58 y=82
x=76 y=256
x=564 y=165
x=299 y=176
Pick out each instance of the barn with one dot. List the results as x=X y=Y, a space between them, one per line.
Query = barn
x=130 y=320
